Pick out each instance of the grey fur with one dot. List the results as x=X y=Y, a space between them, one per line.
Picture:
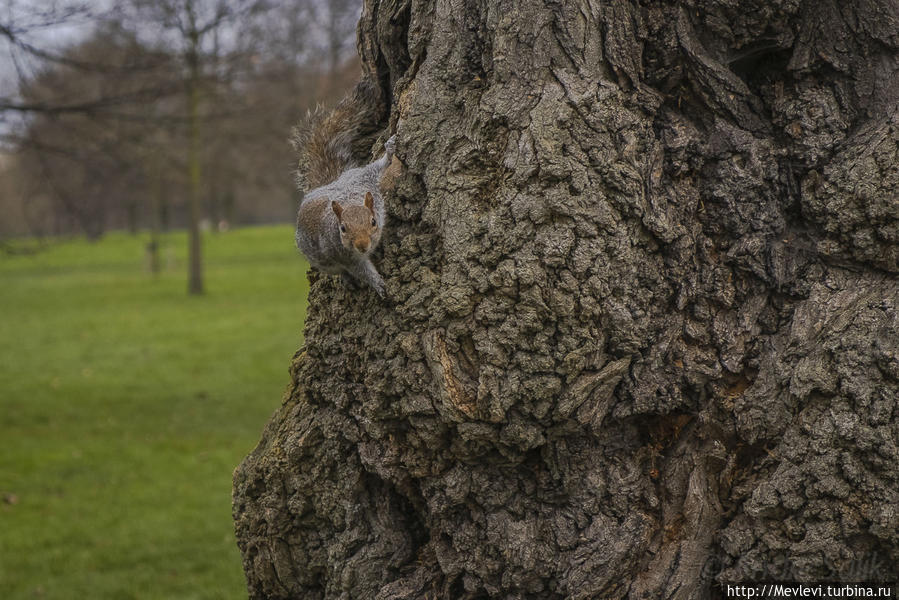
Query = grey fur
x=322 y=245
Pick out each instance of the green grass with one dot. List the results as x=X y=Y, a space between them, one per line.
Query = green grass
x=125 y=406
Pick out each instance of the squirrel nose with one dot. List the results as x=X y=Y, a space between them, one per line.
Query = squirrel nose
x=361 y=245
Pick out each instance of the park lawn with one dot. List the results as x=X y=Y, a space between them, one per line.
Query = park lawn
x=125 y=406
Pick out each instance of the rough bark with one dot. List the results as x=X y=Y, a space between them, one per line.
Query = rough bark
x=643 y=262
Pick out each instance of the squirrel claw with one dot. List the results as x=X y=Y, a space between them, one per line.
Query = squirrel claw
x=390 y=145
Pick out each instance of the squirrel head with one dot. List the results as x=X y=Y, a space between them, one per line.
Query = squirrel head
x=358 y=225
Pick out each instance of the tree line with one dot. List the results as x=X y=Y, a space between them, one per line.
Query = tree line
x=154 y=114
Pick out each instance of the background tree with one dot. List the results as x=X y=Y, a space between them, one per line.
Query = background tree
x=195 y=27
x=642 y=336
x=84 y=147
x=99 y=123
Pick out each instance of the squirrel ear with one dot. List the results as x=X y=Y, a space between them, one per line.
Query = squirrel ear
x=335 y=206
x=369 y=201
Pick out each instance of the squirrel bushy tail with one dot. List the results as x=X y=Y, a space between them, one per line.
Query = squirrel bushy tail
x=330 y=142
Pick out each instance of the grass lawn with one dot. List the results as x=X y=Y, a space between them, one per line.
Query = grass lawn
x=125 y=406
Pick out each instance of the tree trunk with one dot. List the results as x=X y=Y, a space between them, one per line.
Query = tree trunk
x=195 y=242
x=642 y=337
x=157 y=200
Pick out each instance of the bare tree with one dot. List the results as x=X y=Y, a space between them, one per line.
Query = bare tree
x=91 y=159
x=195 y=27
x=82 y=88
x=642 y=337
x=29 y=29
x=103 y=122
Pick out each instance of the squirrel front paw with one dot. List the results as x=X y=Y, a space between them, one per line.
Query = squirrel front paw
x=375 y=281
x=377 y=284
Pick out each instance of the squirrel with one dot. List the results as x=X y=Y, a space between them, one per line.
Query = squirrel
x=341 y=218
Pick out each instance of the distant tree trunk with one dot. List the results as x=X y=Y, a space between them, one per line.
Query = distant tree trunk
x=156 y=197
x=132 y=214
x=228 y=203
x=195 y=243
x=643 y=339
x=162 y=207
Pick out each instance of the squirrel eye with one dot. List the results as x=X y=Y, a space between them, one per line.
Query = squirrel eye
x=374 y=223
x=343 y=228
